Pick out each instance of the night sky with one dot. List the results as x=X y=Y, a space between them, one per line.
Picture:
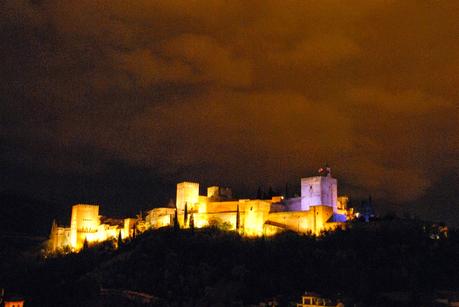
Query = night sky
x=114 y=102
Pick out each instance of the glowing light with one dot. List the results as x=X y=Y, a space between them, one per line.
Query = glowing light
x=14 y=303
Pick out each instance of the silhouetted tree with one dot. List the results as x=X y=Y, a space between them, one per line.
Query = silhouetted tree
x=176 y=223
x=191 y=221
x=85 y=243
x=185 y=215
x=238 y=218
x=120 y=239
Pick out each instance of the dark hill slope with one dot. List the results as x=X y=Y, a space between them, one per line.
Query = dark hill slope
x=214 y=268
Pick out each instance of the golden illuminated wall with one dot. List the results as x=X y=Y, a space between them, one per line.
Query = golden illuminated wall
x=256 y=217
x=104 y=232
x=84 y=224
x=201 y=207
x=60 y=237
x=299 y=221
x=252 y=215
x=128 y=228
x=206 y=213
x=314 y=220
x=256 y=213
x=226 y=206
x=160 y=217
x=319 y=215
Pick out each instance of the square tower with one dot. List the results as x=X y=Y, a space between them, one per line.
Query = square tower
x=215 y=193
x=319 y=190
x=83 y=224
x=187 y=192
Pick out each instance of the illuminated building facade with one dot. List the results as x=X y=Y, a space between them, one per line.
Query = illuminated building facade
x=87 y=225
x=317 y=209
x=319 y=190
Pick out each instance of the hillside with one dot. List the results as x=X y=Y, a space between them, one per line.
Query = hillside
x=214 y=268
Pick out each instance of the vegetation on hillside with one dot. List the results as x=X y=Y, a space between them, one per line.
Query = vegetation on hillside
x=210 y=267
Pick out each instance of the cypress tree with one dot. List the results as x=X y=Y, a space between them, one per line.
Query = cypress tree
x=238 y=219
x=85 y=243
x=185 y=215
x=120 y=239
x=192 y=221
x=176 y=223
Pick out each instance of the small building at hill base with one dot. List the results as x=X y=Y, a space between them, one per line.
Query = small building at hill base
x=14 y=303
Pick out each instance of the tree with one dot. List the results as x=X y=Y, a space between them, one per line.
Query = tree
x=85 y=243
x=185 y=215
x=120 y=239
x=238 y=218
x=191 y=221
x=176 y=223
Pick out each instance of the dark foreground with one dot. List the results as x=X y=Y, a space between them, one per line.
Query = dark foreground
x=209 y=267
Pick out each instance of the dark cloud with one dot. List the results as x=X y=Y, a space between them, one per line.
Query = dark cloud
x=238 y=93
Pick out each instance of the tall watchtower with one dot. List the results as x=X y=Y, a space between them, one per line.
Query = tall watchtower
x=319 y=190
x=84 y=224
x=187 y=193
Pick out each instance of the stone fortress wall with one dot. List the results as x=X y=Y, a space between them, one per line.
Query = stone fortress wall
x=317 y=209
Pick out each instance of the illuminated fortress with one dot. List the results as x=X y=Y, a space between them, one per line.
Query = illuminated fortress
x=317 y=209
